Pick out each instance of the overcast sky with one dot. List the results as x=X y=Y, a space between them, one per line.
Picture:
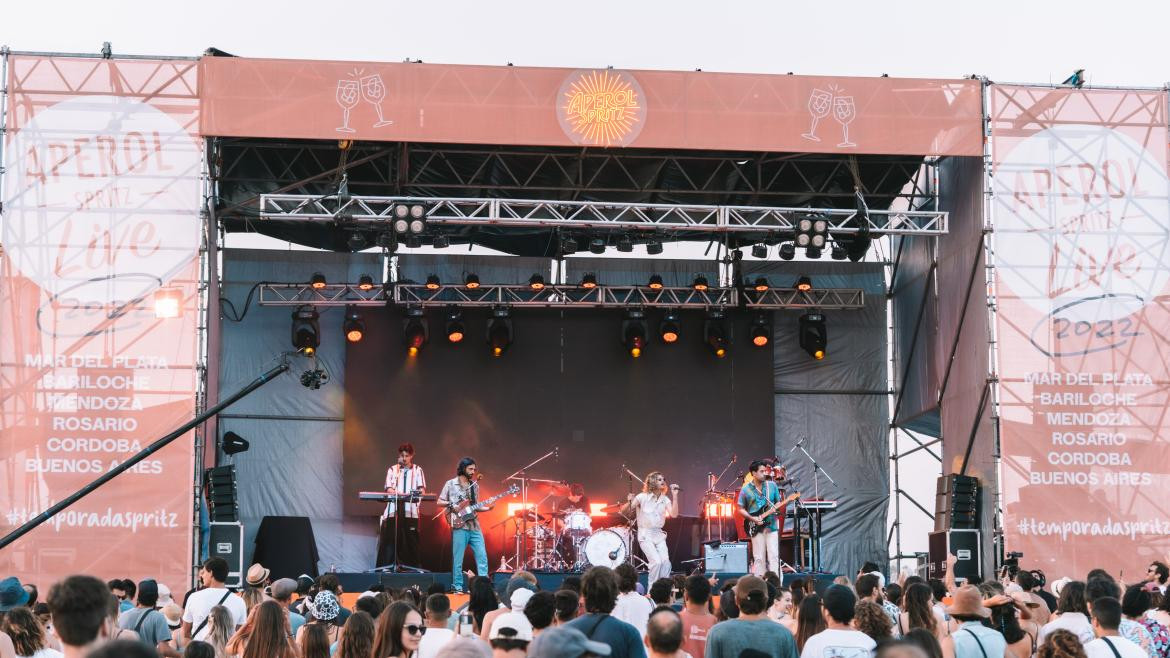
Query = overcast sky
x=1123 y=42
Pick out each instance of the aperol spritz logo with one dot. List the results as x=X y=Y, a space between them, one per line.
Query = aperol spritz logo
x=601 y=108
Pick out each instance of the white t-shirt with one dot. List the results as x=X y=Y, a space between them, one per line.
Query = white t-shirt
x=1099 y=649
x=432 y=641
x=651 y=510
x=832 y=643
x=44 y=653
x=634 y=609
x=1074 y=622
x=200 y=603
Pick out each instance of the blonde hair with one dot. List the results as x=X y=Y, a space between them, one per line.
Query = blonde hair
x=646 y=482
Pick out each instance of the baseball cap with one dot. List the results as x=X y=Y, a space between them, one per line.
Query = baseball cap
x=148 y=592
x=283 y=588
x=565 y=642
x=520 y=599
x=164 y=595
x=511 y=626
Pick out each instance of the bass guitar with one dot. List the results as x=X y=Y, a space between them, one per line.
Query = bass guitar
x=752 y=528
x=463 y=511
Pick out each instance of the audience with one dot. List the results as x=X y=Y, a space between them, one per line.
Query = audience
x=1061 y=644
x=398 y=632
x=566 y=642
x=265 y=634
x=568 y=604
x=146 y=620
x=972 y=639
x=696 y=615
x=600 y=588
x=196 y=610
x=282 y=592
x=664 y=634
x=1109 y=643
x=810 y=620
x=631 y=607
x=925 y=640
x=27 y=635
x=438 y=610
x=357 y=637
x=79 y=607
x=510 y=635
x=751 y=629
x=539 y=610
x=871 y=619
x=839 y=639
x=1072 y=614
x=220 y=628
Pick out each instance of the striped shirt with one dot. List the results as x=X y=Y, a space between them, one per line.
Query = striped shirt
x=404 y=480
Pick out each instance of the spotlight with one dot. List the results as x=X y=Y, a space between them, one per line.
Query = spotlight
x=366 y=282
x=670 y=328
x=441 y=242
x=589 y=281
x=654 y=248
x=597 y=246
x=413 y=241
x=401 y=225
x=655 y=282
x=455 y=327
x=499 y=333
x=634 y=332
x=812 y=233
x=318 y=281
x=839 y=252
x=761 y=285
x=471 y=281
x=700 y=283
x=814 y=336
x=715 y=334
x=354 y=327
x=803 y=284
x=433 y=282
x=306 y=331
x=858 y=244
x=760 y=250
x=813 y=252
x=761 y=331
x=168 y=303
x=536 y=282
x=625 y=245
x=401 y=211
x=356 y=241
x=414 y=331
x=787 y=251
x=568 y=246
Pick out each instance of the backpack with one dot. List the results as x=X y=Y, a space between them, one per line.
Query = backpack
x=1161 y=642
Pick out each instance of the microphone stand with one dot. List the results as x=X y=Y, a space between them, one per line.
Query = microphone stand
x=520 y=475
x=816 y=551
x=710 y=494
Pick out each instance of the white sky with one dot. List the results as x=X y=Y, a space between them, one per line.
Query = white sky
x=1118 y=43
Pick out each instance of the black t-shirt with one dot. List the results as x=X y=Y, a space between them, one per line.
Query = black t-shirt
x=1048 y=598
x=564 y=504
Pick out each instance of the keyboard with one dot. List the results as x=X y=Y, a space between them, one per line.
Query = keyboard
x=386 y=497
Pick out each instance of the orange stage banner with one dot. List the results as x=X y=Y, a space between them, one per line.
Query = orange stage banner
x=101 y=194
x=565 y=107
x=1081 y=208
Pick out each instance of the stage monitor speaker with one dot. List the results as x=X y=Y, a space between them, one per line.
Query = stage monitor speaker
x=405 y=580
x=728 y=557
x=227 y=541
x=964 y=545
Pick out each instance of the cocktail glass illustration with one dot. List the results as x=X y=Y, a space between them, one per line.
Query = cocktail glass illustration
x=819 y=104
x=844 y=111
x=347 y=98
x=374 y=91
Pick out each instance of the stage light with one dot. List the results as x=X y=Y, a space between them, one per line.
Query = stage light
x=670 y=328
x=413 y=241
x=761 y=331
x=653 y=247
x=715 y=334
x=471 y=281
x=634 y=332
x=839 y=252
x=416 y=212
x=433 y=282
x=233 y=444
x=455 y=327
x=365 y=282
x=414 y=331
x=589 y=281
x=356 y=242
x=655 y=282
x=625 y=245
x=401 y=211
x=388 y=241
x=568 y=246
x=787 y=251
x=803 y=284
x=759 y=250
x=812 y=233
x=440 y=242
x=306 y=331
x=813 y=335
x=700 y=283
x=499 y=333
x=417 y=226
x=597 y=246
x=318 y=281
x=401 y=225
x=857 y=245
x=813 y=252
x=168 y=303
x=354 y=327
x=536 y=282
x=761 y=284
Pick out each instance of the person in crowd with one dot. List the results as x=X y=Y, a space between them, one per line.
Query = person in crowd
x=398 y=632
x=568 y=603
x=871 y=619
x=12 y=595
x=918 y=611
x=198 y=649
x=839 y=639
x=520 y=586
x=79 y=606
x=265 y=634
x=567 y=642
x=1061 y=644
x=212 y=575
x=113 y=631
x=781 y=609
x=328 y=582
x=539 y=610
x=325 y=611
x=122 y=592
x=1030 y=587
x=696 y=615
x=631 y=607
x=122 y=649
x=1158 y=574
x=437 y=611
x=1072 y=614
x=482 y=600
x=752 y=629
x=664 y=634
x=727 y=609
x=28 y=637
x=146 y=620
x=1134 y=605
x=600 y=588
x=1109 y=643
x=971 y=639
x=899 y=649
x=371 y=605
x=869 y=588
x=572 y=583
x=282 y=591
x=314 y=642
x=357 y=637
x=254 y=583
x=510 y=635
x=662 y=592
x=1021 y=642
x=174 y=616
x=1103 y=585
x=810 y=620
x=925 y=640
x=893 y=595
x=220 y=628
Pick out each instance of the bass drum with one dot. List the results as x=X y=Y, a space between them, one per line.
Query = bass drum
x=608 y=547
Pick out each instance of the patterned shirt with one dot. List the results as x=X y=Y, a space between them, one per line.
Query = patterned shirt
x=454 y=492
x=404 y=480
x=1138 y=634
x=752 y=498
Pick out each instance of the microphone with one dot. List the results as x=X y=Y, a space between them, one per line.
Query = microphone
x=614 y=553
x=801 y=441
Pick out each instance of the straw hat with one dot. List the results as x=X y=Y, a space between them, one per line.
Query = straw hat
x=967 y=601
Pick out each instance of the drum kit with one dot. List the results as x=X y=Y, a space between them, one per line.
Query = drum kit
x=564 y=539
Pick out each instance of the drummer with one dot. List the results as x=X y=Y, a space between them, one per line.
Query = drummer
x=576 y=499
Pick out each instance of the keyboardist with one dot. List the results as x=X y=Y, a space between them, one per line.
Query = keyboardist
x=404 y=477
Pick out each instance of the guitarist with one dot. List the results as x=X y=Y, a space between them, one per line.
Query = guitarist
x=457 y=494
x=755 y=498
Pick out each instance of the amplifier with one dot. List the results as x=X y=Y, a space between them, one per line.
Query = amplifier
x=227 y=542
x=728 y=557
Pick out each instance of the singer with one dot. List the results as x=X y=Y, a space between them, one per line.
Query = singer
x=401 y=478
x=652 y=507
x=460 y=498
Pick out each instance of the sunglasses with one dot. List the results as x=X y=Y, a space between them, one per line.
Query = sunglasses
x=415 y=630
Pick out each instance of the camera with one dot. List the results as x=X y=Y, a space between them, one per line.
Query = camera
x=313 y=379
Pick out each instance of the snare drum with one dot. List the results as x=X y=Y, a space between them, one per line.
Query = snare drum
x=608 y=547
x=578 y=521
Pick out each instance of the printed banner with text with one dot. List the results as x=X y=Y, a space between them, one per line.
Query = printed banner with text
x=98 y=301
x=1082 y=221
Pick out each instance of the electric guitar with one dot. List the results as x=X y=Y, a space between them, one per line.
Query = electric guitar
x=462 y=511
x=752 y=528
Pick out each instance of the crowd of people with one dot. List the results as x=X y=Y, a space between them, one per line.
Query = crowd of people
x=604 y=612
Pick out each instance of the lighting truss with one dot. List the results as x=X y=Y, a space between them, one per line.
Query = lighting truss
x=556 y=296
x=529 y=213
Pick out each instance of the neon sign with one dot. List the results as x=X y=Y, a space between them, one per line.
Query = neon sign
x=601 y=108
